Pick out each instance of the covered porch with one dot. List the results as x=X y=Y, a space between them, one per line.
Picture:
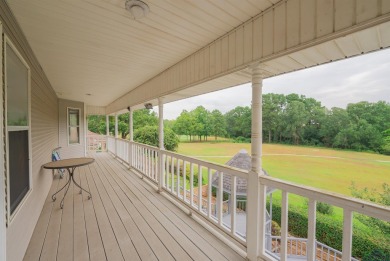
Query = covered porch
x=126 y=219
x=90 y=57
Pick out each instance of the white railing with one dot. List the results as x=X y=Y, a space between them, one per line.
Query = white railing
x=111 y=144
x=145 y=159
x=179 y=176
x=122 y=149
x=348 y=204
x=179 y=170
x=296 y=247
x=96 y=142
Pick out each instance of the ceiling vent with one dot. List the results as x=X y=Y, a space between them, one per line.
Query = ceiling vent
x=137 y=9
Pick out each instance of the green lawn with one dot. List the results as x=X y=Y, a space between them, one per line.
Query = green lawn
x=328 y=169
x=323 y=168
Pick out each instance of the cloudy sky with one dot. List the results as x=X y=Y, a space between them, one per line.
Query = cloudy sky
x=366 y=77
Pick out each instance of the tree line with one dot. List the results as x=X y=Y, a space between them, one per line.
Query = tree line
x=288 y=119
x=296 y=119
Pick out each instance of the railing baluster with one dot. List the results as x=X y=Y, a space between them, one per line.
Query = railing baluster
x=184 y=181
x=347 y=235
x=191 y=183
x=166 y=172
x=209 y=192
x=172 y=174
x=311 y=233
x=200 y=188
x=178 y=178
x=284 y=226
x=263 y=220
x=220 y=198
x=156 y=160
x=233 y=201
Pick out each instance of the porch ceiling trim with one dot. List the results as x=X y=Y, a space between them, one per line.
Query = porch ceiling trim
x=288 y=27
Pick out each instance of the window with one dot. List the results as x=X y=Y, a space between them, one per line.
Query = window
x=17 y=97
x=74 y=126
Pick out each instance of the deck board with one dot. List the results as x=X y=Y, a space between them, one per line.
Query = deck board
x=126 y=219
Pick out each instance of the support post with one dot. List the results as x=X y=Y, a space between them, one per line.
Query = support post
x=107 y=131
x=161 y=143
x=255 y=224
x=107 y=125
x=130 y=137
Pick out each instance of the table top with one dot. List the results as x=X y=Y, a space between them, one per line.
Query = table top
x=68 y=163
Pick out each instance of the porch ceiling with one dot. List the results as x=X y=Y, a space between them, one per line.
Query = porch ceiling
x=94 y=47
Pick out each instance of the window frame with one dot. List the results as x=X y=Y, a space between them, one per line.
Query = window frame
x=8 y=42
x=68 y=125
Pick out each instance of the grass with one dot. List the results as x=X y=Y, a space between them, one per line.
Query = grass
x=328 y=169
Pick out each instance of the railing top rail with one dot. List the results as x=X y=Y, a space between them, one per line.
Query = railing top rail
x=222 y=168
x=353 y=204
x=143 y=145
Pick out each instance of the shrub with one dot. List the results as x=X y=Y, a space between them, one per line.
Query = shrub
x=149 y=135
x=241 y=139
x=324 y=208
x=329 y=231
x=376 y=255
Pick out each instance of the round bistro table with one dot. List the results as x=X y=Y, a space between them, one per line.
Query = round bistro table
x=70 y=165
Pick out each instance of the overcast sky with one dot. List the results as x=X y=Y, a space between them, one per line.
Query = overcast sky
x=363 y=78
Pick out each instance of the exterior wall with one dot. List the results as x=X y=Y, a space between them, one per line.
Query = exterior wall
x=73 y=150
x=44 y=137
x=296 y=24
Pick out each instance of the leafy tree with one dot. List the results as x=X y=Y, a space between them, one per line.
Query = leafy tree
x=295 y=118
x=149 y=135
x=202 y=122
x=144 y=117
x=218 y=124
x=335 y=120
x=385 y=149
x=97 y=124
x=239 y=122
x=273 y=105
x=184 y=124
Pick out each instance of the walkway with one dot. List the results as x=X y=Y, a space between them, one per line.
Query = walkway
x=126 y=219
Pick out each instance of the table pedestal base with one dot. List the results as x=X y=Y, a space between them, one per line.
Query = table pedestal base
x=67 y=185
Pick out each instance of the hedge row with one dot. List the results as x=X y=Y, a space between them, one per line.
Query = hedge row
x=329 y=231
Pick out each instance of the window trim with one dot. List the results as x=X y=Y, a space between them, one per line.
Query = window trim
x=11 y=217
x=68 y=125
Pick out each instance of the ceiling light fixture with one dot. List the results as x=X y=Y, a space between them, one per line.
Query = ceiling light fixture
x=137 y=9
x=148 y=106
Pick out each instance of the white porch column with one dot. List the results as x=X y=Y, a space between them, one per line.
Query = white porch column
x=107 y=125
x=254 y=221
x=116 y=134
x=131 y=137
x=116 y=126
x=161 y=142
x=131 y=130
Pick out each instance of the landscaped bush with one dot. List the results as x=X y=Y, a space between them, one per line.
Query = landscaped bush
x=329 y=231
x=376 y=255
x=149 y=135
x=324 y=208
x=241 y=139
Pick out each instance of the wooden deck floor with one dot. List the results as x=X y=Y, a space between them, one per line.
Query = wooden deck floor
x=126 y=219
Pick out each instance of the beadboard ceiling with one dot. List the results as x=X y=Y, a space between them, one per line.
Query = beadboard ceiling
x=94 y=47
x=92 y=51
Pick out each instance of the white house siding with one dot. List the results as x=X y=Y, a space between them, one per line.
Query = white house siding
x=44 y=137
x=296 y=24
x=73 y=150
